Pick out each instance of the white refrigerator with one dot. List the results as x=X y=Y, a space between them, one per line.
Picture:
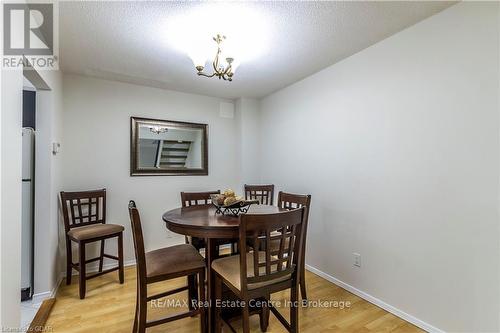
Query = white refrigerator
x=27 y=214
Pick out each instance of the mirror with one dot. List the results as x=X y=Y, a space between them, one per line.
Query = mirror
x=166 y=148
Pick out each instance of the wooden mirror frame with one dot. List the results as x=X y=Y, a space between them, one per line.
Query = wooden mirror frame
x=134 y=137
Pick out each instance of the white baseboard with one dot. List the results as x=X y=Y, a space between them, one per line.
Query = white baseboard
x=395 y=311
x=40 y=297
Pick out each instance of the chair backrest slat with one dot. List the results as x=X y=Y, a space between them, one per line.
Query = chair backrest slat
x=268 y=253
x=83 y=208
x=256 y=266
x=263 y=193
x=140 y=255
x=284 y=227
x=197 y=198
x=291 y=244
x=293 y=201
x=281 y=250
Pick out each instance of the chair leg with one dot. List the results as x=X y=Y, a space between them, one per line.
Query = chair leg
x=134 y=330
x=218 y=296
x=201 y=305
x=264 y=316
x=294 y=309
x=120 y=258
x=192 y=292
x=82 y=266
x=101 y=260
x=69 y=261
x=143 y=305
x=302 y=282
x=246 y=317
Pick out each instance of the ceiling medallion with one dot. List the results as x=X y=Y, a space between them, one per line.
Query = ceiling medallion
x=222 y=69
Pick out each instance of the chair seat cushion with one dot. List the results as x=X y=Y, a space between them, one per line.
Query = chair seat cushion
x=172 y=260
x=94 y=230
x=229 y=269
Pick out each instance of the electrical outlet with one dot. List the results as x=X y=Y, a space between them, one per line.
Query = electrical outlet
x=357 y=259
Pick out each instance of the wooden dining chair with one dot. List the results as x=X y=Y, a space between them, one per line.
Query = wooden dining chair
x=189 y=199
x=294 y=201
x=263 y=193
x=258 y=274
x=161 y=265
x=84 y=215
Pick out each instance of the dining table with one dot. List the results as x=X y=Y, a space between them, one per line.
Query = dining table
x=203 y=221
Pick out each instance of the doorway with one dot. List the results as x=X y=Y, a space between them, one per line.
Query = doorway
x=28 y=193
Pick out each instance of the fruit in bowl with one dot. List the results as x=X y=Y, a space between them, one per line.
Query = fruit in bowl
x=226 y=198
x=229 y=201
x=228 y=193
x=218 y=199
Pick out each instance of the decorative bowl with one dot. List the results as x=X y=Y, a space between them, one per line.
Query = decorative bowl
x=235 y=208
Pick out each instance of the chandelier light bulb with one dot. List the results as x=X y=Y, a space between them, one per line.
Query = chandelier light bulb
x=199 y=58
x=234 y=65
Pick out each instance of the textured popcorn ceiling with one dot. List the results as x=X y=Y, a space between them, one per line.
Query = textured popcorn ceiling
x=128 y=41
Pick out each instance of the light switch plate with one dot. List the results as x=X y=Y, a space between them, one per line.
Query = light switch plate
x=55 y=147
x=357 y=259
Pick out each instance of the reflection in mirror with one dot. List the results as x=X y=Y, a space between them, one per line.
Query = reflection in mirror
x=167 y=147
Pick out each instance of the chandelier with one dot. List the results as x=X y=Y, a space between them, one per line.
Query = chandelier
x=222 y=70
x=158 y=129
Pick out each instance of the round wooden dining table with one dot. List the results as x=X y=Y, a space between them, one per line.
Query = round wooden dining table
x=202 y=222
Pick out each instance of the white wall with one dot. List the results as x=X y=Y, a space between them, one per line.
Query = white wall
x=10 y=203
x=47 y=184
x=97 y=151
x=247 y=116
x=46 y=237
x=399 y=147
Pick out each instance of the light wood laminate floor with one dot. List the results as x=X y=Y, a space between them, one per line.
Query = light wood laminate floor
x=109 y=307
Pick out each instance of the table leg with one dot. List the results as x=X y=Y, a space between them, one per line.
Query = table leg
x=211 y=255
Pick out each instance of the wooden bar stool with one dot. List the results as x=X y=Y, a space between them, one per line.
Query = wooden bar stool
x=293 y=201
x=85 y=222
x=257 y=274
x=189 y=199
x=263 y=193
x=160 y=265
